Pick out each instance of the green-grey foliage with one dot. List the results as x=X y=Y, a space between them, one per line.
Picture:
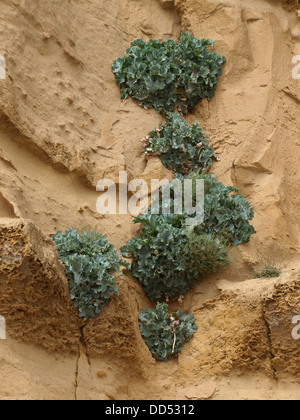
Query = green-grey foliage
x=181 y=147
x=227 y=213
x=267 y=272
x=165 y=335
x=169 y=75
x=169 y=260
x=160 y=260
x=170 y=256
x=90 y=262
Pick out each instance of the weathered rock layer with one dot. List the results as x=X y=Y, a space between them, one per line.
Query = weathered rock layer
x=63 y=127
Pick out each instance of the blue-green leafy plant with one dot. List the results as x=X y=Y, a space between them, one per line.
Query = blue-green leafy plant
x=182 y=147
x=90 y=263
x=166 y=334
x=169 y=260
x=227 y=212
x=169 y=256
x=169 y=75
x=160 y=260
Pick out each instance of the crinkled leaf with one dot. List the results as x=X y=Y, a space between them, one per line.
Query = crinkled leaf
x=90 y=262
x=174 y=74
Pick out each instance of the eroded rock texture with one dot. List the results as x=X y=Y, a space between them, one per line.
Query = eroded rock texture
x=291 y=4
x=35 y=301
x=248 y=328
x=34 y=292
x=63 y=128
x=280 y=307
x=115 y=332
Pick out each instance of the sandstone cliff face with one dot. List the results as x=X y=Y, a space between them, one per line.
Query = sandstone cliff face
x=34 y=293
x=63 y=128
x=64 y=107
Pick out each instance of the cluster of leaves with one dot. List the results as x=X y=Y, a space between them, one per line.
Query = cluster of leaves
x=90 y=262
x=227 y=213
x=165 y=335
x=181 y=147
x=169 y=256
x=168 y=260
x=169 y=75
x=160 y=260
x=267 y=272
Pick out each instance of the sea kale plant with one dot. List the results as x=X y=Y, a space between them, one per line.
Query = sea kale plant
x=170 y=256
x=182 y=147
x=160 y=259
x=227 y=212
x=169 y=75
x=90 y=263
x=166 y=334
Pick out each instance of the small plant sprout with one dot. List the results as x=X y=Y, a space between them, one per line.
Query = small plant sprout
x=267 y=272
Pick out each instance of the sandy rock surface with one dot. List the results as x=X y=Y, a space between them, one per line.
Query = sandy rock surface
x=63 y=127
